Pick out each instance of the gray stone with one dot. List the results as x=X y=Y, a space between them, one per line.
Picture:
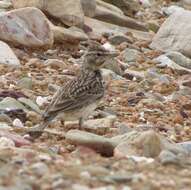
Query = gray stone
x=40 y=168
x=6 y=142
x=109 y=6
x=165 y=61
x=7 y=56
x=99 y=28
x=9 y=103
x=127 y=6
x=113 y=65
x=62 y=34
x=99 y=126
x=96 y=142
x=138 y=75
x=171 y=9
x=174 y=34
x=186 y=146
x=130 y=55
x=5 y=5
x=25 y=82
x=118 y=39
x=153 y=25
x=29 y=104
x=179 y=59
x=109 y=75
x=4 y=126
x=167 y=157
x=106 y=15
x=147 y=144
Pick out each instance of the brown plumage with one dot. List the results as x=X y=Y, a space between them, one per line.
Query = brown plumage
x=80 y=96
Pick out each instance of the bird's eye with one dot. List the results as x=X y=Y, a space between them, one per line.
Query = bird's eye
x=98 y=54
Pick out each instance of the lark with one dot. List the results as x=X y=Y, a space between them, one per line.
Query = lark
x=77 y=98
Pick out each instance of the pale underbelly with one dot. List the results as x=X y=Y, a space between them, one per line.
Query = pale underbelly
x=77 y=114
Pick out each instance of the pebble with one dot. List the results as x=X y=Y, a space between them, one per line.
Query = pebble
x=118 y=39
x=96 y=142
x=99 y=126
x=18 y=123
x=6 y=142
x=147 y=144
x=79 y=187
x=167 y=157
x=41 y=100
x=40 y=168
x=25 y=82
x=130 y=55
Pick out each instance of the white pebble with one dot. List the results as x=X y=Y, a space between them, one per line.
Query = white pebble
x=108 y=46
x=41 y=100
x=18 y=123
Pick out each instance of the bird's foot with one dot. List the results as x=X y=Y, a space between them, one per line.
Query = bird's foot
x=35 y=132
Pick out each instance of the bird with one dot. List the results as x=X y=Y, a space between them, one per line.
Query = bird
x=80 y=96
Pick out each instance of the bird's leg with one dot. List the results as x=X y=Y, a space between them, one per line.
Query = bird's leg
x=62 y=122
x=81 y=121
x=37 y=131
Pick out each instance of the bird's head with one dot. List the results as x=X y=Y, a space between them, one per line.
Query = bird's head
x=96 y=56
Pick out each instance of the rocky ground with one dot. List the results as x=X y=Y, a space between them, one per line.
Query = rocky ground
x=139 y=137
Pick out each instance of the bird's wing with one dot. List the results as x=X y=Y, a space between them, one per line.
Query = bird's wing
x=75 y=94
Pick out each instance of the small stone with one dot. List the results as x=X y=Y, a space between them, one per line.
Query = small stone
x=41 y=100
x=105 y=188
x=79 y=187
x=167 y=157
x=186 y=146
x=17 y=139
x=141 y=159
x=6 y=142
x=40 y=168
x=108 y=75
x=18 y=123
x=25 y=82
x=109 y=46
x=5 y=118
x=130 y=55
x=147 y=144
x=153 y=25
x=99 y=126
x=89 y=7
x=55 y=63
x=179 y=59
x=132 y=75
x=118 y=39
x=59 y=184
x=5 y=5
x=113 y=65
x=7 y=56
x=4 y=126
x=126 y=188
x=145 y=3
x=30 y=104
x=11 y=104
x=96 y=142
